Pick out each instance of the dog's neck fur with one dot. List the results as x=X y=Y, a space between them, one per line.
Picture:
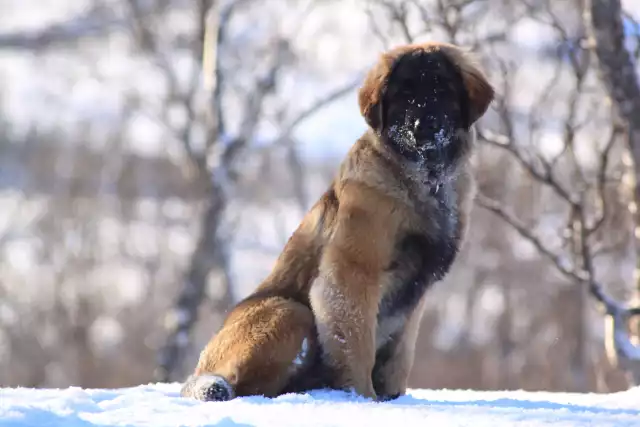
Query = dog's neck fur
x=415 y=174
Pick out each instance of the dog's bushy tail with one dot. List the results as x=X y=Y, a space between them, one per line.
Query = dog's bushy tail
x=207 y=388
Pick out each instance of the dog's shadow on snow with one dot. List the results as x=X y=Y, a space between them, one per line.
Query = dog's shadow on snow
x=42 y=417
x=228 y=422
x=510 y=403
x=331 y=397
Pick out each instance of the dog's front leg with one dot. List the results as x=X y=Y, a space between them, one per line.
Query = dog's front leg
x=345 y=295
x=344 y=302
x=394 y=360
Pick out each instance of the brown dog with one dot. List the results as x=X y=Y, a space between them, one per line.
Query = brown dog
x=342 y=306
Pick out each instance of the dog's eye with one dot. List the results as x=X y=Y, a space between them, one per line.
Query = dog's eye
x=406 y=82
x=409 y=93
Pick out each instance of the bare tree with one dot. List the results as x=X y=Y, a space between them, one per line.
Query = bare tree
x=95 y=22
x=214 y=164
x=588 y=188
x=218 y=87
x=581 y=192
x=216 y=158
x=618 y=71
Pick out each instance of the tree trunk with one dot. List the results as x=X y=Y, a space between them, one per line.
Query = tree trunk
x=603 y=18
x=579 y=358
x=209 y=254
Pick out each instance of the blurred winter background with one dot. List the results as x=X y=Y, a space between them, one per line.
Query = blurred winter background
x=146 y=187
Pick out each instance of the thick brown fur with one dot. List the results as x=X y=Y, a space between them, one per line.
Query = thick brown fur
x=342 y=306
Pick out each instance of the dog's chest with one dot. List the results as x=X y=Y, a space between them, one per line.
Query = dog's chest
x=420 y=260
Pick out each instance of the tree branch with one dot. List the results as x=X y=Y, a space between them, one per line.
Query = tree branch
x=96 y=22
x=319 y=104
x=545 y=176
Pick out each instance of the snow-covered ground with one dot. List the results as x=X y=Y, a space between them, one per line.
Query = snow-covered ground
x=159 y=405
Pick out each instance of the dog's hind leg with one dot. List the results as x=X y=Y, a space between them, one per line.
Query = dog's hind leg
x=264 y=343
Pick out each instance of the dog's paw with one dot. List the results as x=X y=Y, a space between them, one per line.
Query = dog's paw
x=208 y=388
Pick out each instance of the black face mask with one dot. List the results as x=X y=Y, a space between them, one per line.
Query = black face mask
x=424 y=105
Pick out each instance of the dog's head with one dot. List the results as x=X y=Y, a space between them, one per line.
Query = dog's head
x=422 y=100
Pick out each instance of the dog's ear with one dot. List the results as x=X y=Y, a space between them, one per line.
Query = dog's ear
x=479 y=90
x=371 y=93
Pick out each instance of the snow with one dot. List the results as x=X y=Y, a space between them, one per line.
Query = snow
x=302 y=354
x=160 y=405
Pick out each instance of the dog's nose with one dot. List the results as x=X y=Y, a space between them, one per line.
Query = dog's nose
x=431 y=134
